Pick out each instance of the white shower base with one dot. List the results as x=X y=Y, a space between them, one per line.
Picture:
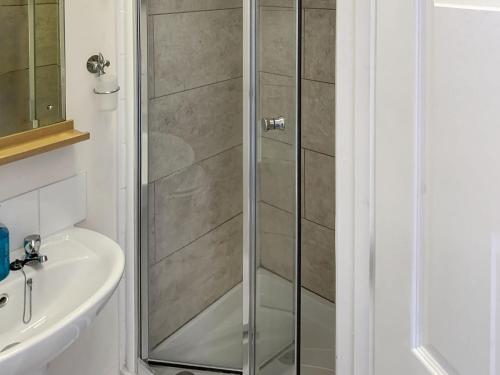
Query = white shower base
x=214 y=337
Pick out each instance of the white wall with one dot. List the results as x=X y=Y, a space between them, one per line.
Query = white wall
x=90 y=28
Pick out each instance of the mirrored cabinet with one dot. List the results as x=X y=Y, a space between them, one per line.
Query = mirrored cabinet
x=32 y=79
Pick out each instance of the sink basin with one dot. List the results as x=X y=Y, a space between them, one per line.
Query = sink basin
x=68 y=292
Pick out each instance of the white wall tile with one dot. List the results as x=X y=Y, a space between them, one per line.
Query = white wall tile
x=122 y=203
x=21 y=216
x=63 y=204
x=122 y=161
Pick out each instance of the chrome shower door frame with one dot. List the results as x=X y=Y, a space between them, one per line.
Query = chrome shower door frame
x=251 y=123
x=250 y=180
x=143 y=178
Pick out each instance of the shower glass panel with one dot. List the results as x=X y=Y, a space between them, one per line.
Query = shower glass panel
x=317 y=318
x=194 y=182
x=192 y=193
x=277 y=187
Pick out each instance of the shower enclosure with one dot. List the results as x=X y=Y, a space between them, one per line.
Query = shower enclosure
x=227 y=212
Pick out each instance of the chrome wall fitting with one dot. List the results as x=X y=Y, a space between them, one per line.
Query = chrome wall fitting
x=278 y=123
x=97 y=63
x=107 y=92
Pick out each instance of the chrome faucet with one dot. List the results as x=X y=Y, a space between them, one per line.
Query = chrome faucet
x=32 y=254
x=32 y=249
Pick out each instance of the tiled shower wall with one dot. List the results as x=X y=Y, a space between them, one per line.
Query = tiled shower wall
x=14 y=64
x=318 y=142
x=195 y=156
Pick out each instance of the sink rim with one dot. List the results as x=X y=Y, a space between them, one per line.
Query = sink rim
x=97 y=299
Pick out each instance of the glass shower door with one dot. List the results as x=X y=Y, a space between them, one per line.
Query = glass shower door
x=194 y=202
x=277 y=193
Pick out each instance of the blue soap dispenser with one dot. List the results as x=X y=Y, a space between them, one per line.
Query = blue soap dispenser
x=4 y=252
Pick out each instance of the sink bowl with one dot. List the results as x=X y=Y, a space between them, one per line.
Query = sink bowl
x=68 y=292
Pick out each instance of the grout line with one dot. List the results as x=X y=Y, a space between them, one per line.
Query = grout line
x=318 y=152
x=15 y=71
x=317 y=294
x=192 y=11
x=276 y=207
x=196 y=87
x=321 y=225
x=290 y=144
x=317 y=8
x=276 y=140
x=196 y=239
x=197 y=162
x=276 y=74
x=317 y=80
x=272 y=8
x=291 y=213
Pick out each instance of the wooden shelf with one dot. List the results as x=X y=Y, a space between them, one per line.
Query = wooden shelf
x=33 y=142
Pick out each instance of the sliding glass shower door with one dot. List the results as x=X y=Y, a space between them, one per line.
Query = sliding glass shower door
x=220 y=199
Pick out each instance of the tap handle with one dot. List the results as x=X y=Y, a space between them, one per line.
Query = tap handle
x=32 y=244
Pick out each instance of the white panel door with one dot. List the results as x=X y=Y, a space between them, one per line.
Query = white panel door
x=437 y=188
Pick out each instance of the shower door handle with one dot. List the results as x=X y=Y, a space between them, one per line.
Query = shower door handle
x=277 y=123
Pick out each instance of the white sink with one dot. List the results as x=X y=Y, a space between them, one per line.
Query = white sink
x=69 y=291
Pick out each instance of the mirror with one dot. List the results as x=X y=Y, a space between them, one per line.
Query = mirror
x=31 y=64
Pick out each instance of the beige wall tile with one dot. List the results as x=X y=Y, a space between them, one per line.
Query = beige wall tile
x=276 y=239
x=14 y=38
x=318 y=259
x=193 y=125
x=318 y=116
x=151 y=57
x=277 y=98
x=196 y=49
x=14 y=102
x=278 y=3
x=185 y=283
x=175 y=6
x=195 y=200
x=320 y=188
x=277 y=174
x=47 y=34
x=277 y=41
x=319 y=45
x=13 y=2
x=277 y=250
x=328 y=4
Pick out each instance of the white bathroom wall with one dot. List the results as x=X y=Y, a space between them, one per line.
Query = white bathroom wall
x=46 y=210
x=90 y=28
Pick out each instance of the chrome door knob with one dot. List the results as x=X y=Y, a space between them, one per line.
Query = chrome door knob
x=277 y=123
